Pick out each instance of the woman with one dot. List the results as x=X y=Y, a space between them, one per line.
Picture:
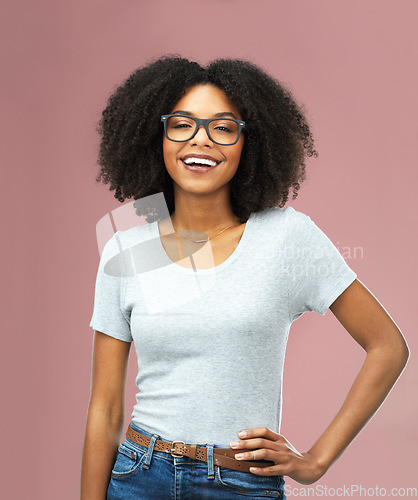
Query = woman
x=209 y=288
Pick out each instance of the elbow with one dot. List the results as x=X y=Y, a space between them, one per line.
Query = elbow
x=394 y=354
x=405 y=354
x=399 y=355
x=403 y=359
x=402 y=350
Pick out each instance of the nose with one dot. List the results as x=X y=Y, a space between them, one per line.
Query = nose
x=201 y=137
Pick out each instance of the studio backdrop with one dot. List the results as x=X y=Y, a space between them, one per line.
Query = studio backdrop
x=353 y=66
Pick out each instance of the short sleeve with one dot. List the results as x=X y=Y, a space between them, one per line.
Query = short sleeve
x=317 y=272
x=109 y=315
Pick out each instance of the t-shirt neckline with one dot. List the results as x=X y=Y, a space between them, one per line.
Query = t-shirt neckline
x=188 y=270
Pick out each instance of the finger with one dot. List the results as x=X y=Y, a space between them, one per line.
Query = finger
x=261 y=454
x=250 y=444
x=259 y=431
x=273 y=470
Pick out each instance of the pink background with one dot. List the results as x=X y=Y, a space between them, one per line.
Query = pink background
x=354 y=66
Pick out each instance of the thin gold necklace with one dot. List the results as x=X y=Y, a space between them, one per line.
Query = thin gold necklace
x=201 y=241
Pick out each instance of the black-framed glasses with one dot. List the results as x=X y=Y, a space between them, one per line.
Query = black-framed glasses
x=222 y=131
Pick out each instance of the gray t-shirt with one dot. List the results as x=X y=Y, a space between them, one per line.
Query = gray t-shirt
x=211 y=342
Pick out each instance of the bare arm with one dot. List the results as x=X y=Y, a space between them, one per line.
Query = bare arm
x=105 y=417
x=370 y=325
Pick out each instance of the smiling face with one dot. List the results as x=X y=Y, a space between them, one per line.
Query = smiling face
x=203 y=101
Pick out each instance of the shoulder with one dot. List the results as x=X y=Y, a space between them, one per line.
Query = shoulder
x=296 y=217
x=285 y=227
x=288 y=216
x=297 y=228
x=117 y=246
x=131 y=236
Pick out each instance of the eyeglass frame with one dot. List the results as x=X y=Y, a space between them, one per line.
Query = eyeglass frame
x=205 y=122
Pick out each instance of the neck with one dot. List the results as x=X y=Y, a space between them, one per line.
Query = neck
x=203 y=215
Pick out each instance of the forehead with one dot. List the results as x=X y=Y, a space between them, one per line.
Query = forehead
x=205 y=99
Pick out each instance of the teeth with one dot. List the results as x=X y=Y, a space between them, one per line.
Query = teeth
x=200 y=161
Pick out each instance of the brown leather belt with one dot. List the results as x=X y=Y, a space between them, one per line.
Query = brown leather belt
x=223 y=457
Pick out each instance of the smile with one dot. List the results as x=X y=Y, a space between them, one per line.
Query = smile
x=199 y=163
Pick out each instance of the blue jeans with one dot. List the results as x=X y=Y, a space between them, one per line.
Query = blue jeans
x=141 y=473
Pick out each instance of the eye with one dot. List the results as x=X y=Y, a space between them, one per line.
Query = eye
x=180 y=125
x=223 y=128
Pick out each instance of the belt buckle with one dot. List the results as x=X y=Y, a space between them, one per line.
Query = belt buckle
x=172 y=449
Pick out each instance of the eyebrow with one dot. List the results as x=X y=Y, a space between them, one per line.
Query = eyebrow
x=217 y=115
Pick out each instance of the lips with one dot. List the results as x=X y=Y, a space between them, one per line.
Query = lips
x=206 y=160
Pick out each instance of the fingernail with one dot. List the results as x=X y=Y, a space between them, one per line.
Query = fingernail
x=239 y=455
x=234 y=443
x=242 y=434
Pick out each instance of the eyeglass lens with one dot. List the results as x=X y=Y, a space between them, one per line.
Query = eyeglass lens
x=223 y=131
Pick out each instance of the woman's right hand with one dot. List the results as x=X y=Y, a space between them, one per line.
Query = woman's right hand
x=105 y=417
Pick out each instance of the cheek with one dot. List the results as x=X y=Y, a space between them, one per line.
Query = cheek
x=236 y=153
x=169 y=151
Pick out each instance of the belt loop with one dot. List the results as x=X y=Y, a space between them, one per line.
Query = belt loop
x=192 y=451
x=150 y=451
x=209 y=456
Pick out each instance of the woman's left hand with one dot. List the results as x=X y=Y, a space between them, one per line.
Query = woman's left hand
x=268 y=445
